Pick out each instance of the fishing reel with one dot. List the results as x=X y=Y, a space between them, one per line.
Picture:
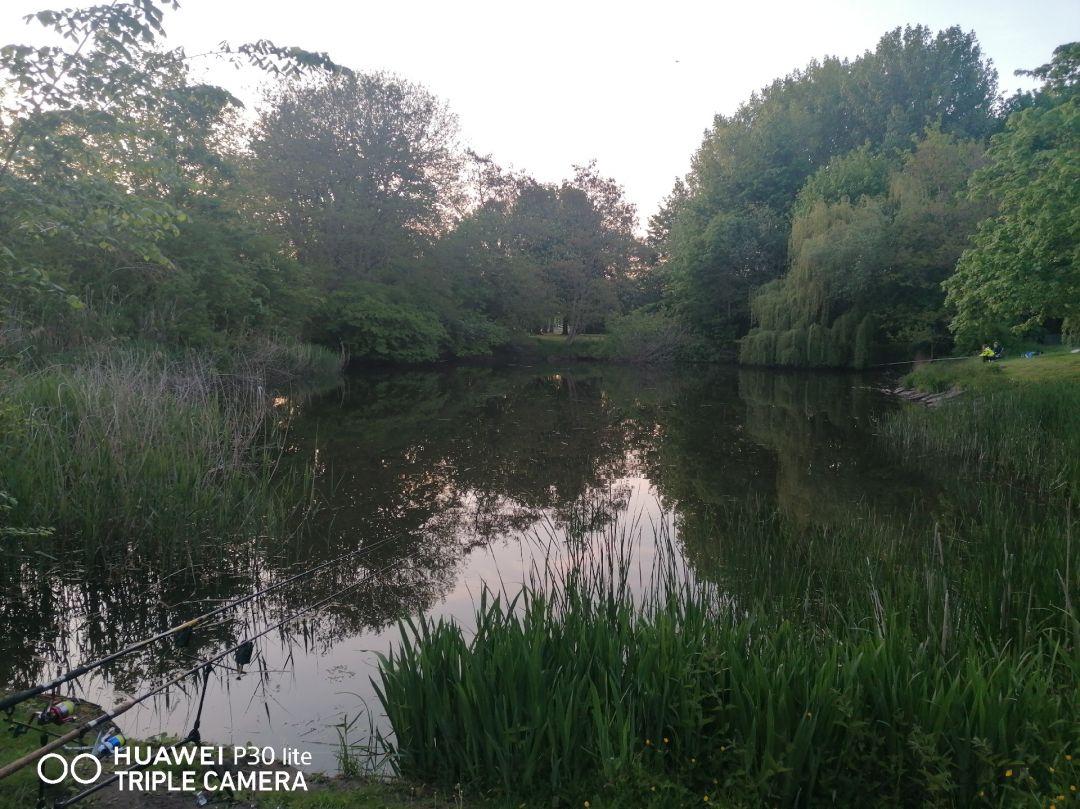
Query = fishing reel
x=59 y=713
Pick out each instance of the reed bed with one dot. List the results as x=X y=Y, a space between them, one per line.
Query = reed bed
x=931 y=659
x=584 y=687
x=1026 y=434
x=128 y=451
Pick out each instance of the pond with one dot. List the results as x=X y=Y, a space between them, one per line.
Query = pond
x=445 y=482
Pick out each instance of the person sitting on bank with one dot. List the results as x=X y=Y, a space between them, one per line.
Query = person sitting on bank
x=987 y=353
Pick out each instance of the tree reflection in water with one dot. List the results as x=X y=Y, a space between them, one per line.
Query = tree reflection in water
x=426 y=467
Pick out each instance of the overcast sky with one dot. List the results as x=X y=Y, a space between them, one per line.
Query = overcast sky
x=544 y=85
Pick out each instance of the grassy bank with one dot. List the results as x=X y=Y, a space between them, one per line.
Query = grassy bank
x=127 y=448
x=1020 y=421
x=556 y=348
x=973 y=375
x=932 y=661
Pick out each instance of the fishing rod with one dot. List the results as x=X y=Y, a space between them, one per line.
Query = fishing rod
x=123 y=708
x=15 y=699
x=910 y=362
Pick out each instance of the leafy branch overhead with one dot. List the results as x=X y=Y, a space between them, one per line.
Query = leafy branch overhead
x=101 y=134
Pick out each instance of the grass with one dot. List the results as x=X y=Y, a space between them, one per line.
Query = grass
x=974 y=375
x=359 y=793
x=576 y=690
x=1021 y=422
x=555 y=347
x=130 y=452
x=1060 y=365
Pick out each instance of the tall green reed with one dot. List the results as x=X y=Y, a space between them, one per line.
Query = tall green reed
x=1025 y=434
x=126 y=451
x=582 y=685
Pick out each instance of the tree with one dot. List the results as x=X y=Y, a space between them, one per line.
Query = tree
x=731 y=233
x=579 y=238
x=481 y=267
x=361 y=170
x=871 y=243
x=98 y=141
x=1024 y=267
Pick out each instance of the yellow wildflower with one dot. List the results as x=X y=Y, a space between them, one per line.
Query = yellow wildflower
x=665 y=740
x=648 y=742
x=586 y=805
x=706 y=799
x=1008 y=773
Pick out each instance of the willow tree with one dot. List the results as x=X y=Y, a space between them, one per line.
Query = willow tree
x=867 y=267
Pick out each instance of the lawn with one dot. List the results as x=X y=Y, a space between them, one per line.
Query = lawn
x=1059 y=364
x=974 y=375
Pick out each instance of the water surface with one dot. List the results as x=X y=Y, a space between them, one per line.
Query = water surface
x=447 y=482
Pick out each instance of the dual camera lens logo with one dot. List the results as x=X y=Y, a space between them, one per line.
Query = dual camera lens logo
x=67 y=768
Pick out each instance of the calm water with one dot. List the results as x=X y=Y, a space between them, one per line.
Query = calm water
x=450 y=481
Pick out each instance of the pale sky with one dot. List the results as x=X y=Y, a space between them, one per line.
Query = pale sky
x=541 y=86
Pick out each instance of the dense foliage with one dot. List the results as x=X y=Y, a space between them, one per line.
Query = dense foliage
x=816 y=225
x=1024 y=267
x=137 y=203
x=870 y=246
x=731 y=231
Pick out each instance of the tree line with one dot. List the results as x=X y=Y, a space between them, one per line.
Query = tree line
x=889 y=203
x=139 y=203
x=892 y=204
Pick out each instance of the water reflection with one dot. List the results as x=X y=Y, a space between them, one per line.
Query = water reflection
x=439 y=479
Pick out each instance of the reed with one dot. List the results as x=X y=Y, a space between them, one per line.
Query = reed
x=1027 y=434
x=127 y=451
x=581 y=688
x=923 y=659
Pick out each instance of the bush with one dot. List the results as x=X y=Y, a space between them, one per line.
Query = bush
x=371 y=327
x=645 y=337
x=472 y=335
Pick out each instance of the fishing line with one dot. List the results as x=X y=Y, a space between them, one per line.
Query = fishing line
x=911 y=362
x=109 y=716
x=15 y=699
